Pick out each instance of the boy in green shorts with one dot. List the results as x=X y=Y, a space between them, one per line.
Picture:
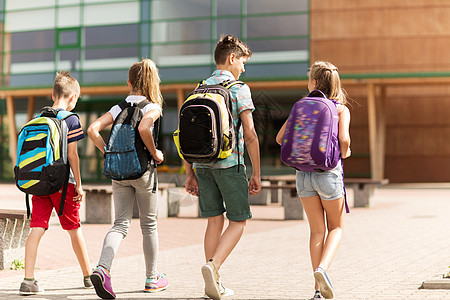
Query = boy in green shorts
x=222 y=186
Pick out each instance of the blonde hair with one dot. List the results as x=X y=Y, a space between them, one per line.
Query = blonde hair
x=328 y=81
x=65 y=85
x=144 y=79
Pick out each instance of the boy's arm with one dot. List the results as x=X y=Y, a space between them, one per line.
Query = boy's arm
x=95 y=128
x=252 y=143
x=146 y=134
x=191 y=185
x=74 y=161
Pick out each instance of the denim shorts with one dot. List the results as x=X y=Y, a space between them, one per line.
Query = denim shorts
x=223 y=190
x=329 y=185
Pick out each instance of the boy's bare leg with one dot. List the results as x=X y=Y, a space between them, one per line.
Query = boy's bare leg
x=31 y=248
x=79 y=247
x=212 y=235
x=227 y=242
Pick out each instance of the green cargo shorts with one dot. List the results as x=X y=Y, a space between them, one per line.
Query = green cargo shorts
x=223 y=190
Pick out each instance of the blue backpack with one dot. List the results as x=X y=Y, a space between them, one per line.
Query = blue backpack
x=42 y=166
x=126 y=156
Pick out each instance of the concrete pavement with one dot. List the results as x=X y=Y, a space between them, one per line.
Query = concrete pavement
x=387 y=252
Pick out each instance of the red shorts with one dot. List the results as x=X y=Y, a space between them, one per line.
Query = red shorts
x=43 y=207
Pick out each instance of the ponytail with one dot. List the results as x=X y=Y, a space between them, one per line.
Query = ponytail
x=144 y=79
x=328 y=81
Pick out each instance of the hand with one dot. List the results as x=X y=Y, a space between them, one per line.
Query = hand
x=191 y=185
x=158 y=156
x=254 y=186
x=79 y=194
x=349 y=152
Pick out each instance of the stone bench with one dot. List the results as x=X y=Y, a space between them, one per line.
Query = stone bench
x=363 y=188
x=293 y=207
x=100 y=204
x=14 y=230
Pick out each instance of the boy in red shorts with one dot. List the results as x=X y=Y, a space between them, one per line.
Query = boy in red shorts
x=66 y=92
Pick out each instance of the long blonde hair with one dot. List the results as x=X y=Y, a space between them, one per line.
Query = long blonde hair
x=144 y=79
x=328 y=81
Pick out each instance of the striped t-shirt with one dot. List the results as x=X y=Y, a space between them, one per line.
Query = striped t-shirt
x=242 y=100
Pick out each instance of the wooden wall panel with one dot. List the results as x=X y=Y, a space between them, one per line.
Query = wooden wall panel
x=397 y=36
x=373 y=4
x=419 y=169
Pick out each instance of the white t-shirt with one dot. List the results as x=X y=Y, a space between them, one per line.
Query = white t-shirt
x=115 y=110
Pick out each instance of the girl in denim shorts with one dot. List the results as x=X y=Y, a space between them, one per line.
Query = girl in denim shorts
x=324 y=191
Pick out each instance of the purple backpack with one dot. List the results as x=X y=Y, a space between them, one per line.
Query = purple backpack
x=310 y=142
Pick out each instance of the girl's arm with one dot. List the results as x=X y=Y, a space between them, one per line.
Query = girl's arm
x=344 y=131
x=146 y=134
x=95 y=128
x=280 y=134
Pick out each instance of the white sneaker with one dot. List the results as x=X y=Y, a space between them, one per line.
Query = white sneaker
x=224 y=292
x=211 y=278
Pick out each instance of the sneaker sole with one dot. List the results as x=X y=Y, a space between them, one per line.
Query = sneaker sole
x=156 y=290
x=30 y=293
x=211 y=288
x=325 y=289
x=100 y=288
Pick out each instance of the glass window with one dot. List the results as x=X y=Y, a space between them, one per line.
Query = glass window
x=270 y=6
x=32 y=62
x=181 y=31
x=278 y=45
x=174 y=9
x=145 y=11
x=194 y=74
x=68 y=59
x=68 y=38
x=145 y=52
x=228 y=7
x=100 y=1
x=32 y=40
x=229 y=26
x=105 y=35
x=68 y=2
x=110 y=58
x=145 y=33
x=111 y=52
x=279 y=26
x=43 y=79
x=112 y=13
x=111 y=76
x=183 y=54
x=69 y=16
x=30 y=20
x=37 y=56
x=270 y=71
x=28 y=4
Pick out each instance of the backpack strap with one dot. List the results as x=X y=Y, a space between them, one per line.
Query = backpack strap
x=123 y=104
x=228 y=84
x=317 y=93
x=48 y=111
x=143 y=104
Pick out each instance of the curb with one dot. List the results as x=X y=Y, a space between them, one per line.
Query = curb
x=439 y=284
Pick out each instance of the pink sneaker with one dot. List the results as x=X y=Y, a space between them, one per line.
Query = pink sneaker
x=102 y=284
x=156 y=284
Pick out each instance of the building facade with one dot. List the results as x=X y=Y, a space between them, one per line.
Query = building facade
x=386 y=52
